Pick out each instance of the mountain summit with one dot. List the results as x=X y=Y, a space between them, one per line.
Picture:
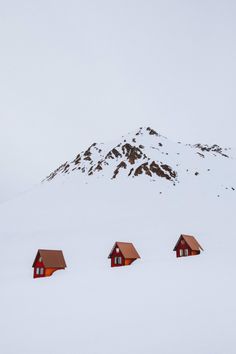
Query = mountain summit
x=147 y=154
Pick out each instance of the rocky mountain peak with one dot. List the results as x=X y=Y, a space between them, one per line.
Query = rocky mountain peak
x=143 y=153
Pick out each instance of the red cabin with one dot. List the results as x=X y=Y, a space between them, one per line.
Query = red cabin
x=47 y=262
x=187 y=246
x=122 y=254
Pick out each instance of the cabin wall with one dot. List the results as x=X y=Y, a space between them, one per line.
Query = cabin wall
x=117 y=265
x=50 y=271
x=47 y=271
x=38 y=265
x=115 y=254
x=183 y=246
x=129 y=261
x=194 y=253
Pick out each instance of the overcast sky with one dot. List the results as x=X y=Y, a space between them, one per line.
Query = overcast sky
x=74 y=72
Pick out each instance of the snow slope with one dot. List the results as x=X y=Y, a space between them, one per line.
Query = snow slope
x=159 y=304
x=147 y=153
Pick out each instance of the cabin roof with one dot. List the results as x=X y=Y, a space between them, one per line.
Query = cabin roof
x=127 y=249
x=51 y=258
x=191 y=242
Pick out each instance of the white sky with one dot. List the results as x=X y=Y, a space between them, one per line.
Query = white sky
x=75 y=72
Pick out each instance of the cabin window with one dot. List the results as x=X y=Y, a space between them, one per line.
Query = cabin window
x=41 y=271
x=40 y=259
x=186 y=252
x=118 y=260
x=37 y=271
x=117 y=250
x=180 y=252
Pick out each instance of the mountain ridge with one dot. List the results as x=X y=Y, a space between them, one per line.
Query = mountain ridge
x=145 y=152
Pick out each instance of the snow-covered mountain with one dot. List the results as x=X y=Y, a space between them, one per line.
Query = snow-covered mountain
x=149 y=155
x=159 y=304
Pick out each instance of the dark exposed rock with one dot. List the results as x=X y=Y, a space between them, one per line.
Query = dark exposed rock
x=201 y=155
x=213 y=148
x=152 y=131
x=121 y=165
x=132 y=153
x=114 y=152
x=88 y=153
x=143 y=168
x=130 y=172
x=109 y=155
x=139 y=132
x=90 y=171
x=98 y=167
x=163 y=170
x=77 y=160
x=66 y=168
x=60 y=169
x=169 y=169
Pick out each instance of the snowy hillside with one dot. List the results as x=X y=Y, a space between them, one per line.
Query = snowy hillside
x=159 y=304
x=147 y=154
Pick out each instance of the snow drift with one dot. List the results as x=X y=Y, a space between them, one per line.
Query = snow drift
x=159 y=303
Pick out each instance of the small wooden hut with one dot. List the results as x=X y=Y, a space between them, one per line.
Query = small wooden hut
x=122 y=254
x=47 y=262
x=187 y=246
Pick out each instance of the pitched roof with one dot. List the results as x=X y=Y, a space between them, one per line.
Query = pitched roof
x=191 y=242
x=127 y=249
x=51 y=258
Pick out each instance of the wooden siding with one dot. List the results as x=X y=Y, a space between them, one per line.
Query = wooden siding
x=124 y=261
x=182 y=246
x=47 y=272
